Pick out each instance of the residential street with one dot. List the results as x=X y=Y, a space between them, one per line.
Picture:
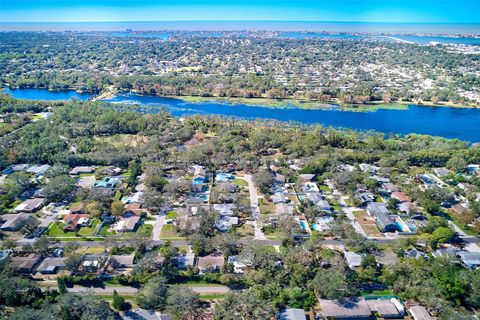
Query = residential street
x=255 y=208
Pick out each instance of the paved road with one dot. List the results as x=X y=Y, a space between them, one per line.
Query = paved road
x=255 y=208
x=157 y=228
x=126 y=290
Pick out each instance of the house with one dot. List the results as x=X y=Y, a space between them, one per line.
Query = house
x=108 y=182
x=420 y=313
x=390 y=187
x=293 y=314
x=470 y=260
x=111 y=171
x=81 y=170
x=185 y=261
x=368 y=168
x=380 y=212
x=212 y=262
x=306 y=177
x=86 y=182
x=127 y=224
x=441 y=172
x=400 y=196
x=324 y=206
x=459 y=209
x=279 y=179
x=134 y=208
x=199 y=178
x=224 y=223
x=11 y=221
x=365 y=196
x=471 y=169
x=20 y=167
x=25 y=264
x=224 y=177
x=38 y=170
x=238 y=265
x=279 y=197
x=122 y=261
x=74 y=221
x=387 y=308
x=51 y=265
x=445 y=253
x=354 y=260
x=29 y=205
x=322 y=223
x=136 y=197
x=142 y=314
x=353 y=308
x=310 y=187
x=414 y=253
x=283 y=209
x=225 y=209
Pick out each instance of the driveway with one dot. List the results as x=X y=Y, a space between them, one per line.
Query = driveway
x=157 y=228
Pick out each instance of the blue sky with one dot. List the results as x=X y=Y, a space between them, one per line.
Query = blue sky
x=295 y=10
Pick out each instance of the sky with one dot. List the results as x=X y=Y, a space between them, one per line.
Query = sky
x=428 y=11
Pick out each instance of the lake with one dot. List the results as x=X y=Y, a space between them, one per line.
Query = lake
x=446 y=122
x=44 y=94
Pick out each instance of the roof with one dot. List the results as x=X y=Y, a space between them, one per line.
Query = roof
x=11 y=220
x=353 y=259
x=26 y=263
x=420 y=313
x=279 y=197
x=127 y=223
x=142 y=314
x=86 y=182
x=82 y=169
x=283 y=208
x=293 y=314
x=29 y=205
x=74 y=219
x=225 y=209
x=134 y=207
x=347 y=308
x=38 y=169
x=307 y=177
x=51 y=264
x=384 y=308
x=390 y=186
x=375 y=207
x=124 y=260
x=471 y=259
x=400 y=196
x=213 y=260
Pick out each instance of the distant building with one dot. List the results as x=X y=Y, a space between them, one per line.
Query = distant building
x=470 y=260
x=306 y=177
x=108 y=183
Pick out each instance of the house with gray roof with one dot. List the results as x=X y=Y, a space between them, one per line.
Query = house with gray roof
x=382 y=216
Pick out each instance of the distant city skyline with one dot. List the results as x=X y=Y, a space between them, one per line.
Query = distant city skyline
x=427 y=11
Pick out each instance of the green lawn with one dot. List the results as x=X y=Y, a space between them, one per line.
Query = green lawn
x=169 y=232
x=56 y=230
x=240 y=182
x=143 y=230
x=171 y=215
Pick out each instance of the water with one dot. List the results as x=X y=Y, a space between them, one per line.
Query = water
x=439 y=39
x=45 y=94
x=446 y=122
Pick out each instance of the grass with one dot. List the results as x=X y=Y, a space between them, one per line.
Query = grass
x=169 y=232
x=371 y=230
x=171 y=215
x=378 y=293
x=88 y=231
x=469 y=231
x=143 y=230
x=56 y=230
x=323 y=188
x=240 y=182
x=358 y=214
x=214 y=296
x=266 y=207
x=105 y=231
x=246 y=231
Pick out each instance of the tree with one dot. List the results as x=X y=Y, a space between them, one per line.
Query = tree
x=243 y=306
x=263 y=180
x=441 y=235
x=58 y=188
x=183 y=303
x=117 y=208
x=457 y=164
x=62 y=287
x=156 y=182
x=118 y=302
x=94 y=208
x=330 y=284
x=153 y=295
